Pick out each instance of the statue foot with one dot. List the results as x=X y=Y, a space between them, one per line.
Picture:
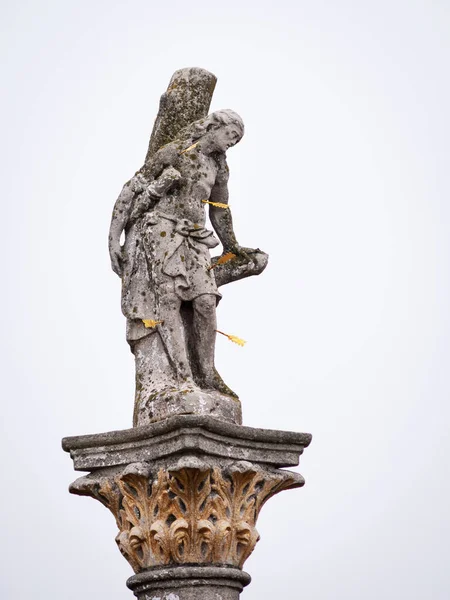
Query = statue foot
x=216 y=382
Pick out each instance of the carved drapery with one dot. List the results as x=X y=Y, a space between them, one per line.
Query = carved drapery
x=189 y=514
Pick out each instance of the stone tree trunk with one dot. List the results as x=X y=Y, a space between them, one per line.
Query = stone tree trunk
x=187 y=99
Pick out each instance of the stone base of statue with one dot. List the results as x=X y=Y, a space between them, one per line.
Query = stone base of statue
x=190 y=401
x=163 y=398
x=186 y=493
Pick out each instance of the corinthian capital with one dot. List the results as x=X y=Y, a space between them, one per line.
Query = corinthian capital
x=189 y=513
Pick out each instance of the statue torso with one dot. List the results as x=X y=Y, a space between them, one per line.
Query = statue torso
x=198 y=173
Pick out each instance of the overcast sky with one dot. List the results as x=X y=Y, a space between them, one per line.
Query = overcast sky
x=342 y=177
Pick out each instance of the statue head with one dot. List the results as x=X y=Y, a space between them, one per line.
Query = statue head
x=217 y=132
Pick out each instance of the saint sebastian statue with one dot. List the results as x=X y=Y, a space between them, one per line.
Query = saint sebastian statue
x=169 y=286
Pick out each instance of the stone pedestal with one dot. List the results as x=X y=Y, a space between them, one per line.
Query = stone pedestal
x=186 y=493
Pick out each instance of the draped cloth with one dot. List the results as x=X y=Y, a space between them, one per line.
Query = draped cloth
x=163 y=255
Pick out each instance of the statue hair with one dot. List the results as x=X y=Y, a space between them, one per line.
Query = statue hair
x=215 y=120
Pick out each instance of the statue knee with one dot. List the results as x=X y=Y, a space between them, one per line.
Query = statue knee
x=205 y=305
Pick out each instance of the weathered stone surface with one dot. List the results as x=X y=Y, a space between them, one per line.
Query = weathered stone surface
x=169 y=281
x=159 y=395
x=240 y=268
x=186 y=484
x=189 y=434
x=189 y=583
x=187 y=99
x=187 y=490
x=188 y=512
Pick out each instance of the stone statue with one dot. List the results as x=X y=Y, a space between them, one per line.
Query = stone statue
x=169 y=282
x=186 y=484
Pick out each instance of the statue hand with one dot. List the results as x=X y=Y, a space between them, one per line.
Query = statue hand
x=115 y=253
x=241 y=253
x=164 y=183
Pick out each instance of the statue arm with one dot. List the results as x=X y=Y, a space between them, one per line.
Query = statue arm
x=124 y=211
x=121 y=213
x=155 y=191
x=221 y=218
x=248 y=261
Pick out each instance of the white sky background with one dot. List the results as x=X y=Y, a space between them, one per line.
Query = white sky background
x=342 y=177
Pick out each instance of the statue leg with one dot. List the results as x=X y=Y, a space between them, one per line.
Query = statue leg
x=204 y=325
x=173 y=337
x=154 y=375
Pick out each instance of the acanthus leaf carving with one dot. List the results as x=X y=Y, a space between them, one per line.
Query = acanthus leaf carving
x=195 y=514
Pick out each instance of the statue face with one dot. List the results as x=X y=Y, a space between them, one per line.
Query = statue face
x=224 y=137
